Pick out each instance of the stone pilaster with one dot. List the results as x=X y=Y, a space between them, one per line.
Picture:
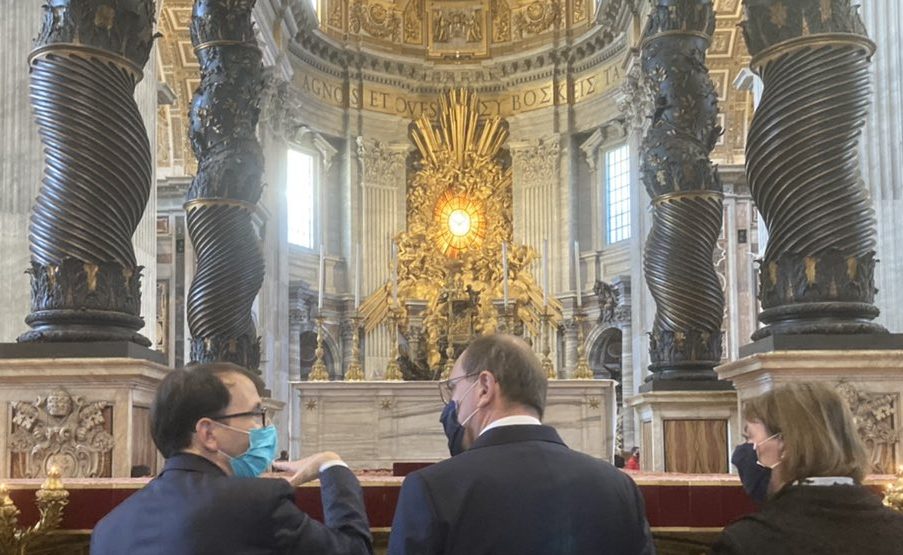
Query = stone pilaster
x=882 y=163
x=383 y=180
x=20 y=162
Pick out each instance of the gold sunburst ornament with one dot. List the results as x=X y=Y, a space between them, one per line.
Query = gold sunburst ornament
x=459 y=216
x=461 y=223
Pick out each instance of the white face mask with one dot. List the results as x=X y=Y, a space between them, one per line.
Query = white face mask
x=756 y=449
x=466 y=393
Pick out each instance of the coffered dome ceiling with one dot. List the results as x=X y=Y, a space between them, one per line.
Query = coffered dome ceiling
x=395 y=56
x=454 y=30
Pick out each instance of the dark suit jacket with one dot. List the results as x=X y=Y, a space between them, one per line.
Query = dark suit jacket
x=520 y=490
x=193 y=508
x=826 y=520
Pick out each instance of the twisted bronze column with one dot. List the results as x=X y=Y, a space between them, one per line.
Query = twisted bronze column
x=85 y=281
x=224 y=193
x=802 y=164
x=686 y=193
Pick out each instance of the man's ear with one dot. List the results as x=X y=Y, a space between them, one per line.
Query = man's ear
x=488 y=388
x=204 y=436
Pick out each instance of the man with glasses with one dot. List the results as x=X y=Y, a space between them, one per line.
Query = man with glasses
x=210 y=425
x=516 y=487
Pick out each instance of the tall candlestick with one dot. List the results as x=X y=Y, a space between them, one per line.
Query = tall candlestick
x=394 y=273
x=357 y=276
x=322 y=277
x=577 y=272
x=545 y=273
x=505 y=276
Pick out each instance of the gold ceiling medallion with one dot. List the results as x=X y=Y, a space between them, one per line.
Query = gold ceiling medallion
x=459 y=216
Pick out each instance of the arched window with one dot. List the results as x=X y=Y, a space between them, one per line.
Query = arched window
x=301 y=188
x=617 y=194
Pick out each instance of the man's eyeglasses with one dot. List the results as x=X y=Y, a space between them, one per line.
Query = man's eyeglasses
x=261 y=413
x=447 y=387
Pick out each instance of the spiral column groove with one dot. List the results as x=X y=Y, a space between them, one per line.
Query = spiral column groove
x=802 y=163
x=88 y=58
x=687 y=201
x=223 y=195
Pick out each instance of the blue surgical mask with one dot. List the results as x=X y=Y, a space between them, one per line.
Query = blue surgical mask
x=454 y=431
x=260 y=454
x=753 y=476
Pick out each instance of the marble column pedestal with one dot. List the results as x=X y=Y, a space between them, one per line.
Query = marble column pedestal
x=374 y=424
x=870 y=380
x=90 y=417
x=691 y=432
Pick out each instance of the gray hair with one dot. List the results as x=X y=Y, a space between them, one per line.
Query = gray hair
x=514 y=366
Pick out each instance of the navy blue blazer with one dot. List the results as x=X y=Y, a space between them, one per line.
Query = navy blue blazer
x=194 y=508
x=519 y=490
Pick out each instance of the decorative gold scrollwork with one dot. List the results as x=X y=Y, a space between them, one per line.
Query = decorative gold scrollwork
x=51 y=499
x=893 y=494
x=459 y=216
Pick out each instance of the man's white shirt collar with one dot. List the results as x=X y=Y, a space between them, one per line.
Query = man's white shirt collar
x=516 y=420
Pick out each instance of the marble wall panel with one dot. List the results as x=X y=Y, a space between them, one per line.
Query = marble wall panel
x=375 y=424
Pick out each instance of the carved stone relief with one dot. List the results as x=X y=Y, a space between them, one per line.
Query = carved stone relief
x=636 y=100
x=300 y=312
x=457 y=29
x=537 y=164
x=380 y=163
x=280 y=106
x=162 y=335
x=413 y=23
x=538 y=17
x=614 y=301
x=875 y=415
x=376 y=19
x=64 y=431
x=501 y=21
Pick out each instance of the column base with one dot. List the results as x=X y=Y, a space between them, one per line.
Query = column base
x=90 y=349
x=663 y=383
x=870 y=380
x=824 y=342
x=691 y=432
x=100 y=408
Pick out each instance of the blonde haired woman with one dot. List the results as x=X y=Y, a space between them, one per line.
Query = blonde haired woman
x=805 y=433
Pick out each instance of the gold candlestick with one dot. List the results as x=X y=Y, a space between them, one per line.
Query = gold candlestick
x=355 y=372
x=393 y=372
x=583 y=370
x=507 y=326
x=449 y=360
x=318 y=371
x=893 y=493
x=51 y=499
x=547 y=365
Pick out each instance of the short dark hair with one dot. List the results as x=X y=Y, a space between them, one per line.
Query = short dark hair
x=184 y=397
x=514 y=366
